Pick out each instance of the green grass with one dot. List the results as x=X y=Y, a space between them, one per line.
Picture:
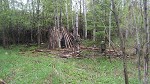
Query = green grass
x=43 y=68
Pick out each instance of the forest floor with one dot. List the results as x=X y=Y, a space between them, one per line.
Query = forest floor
x=23 y=65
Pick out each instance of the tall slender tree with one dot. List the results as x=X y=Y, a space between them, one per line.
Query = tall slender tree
x=138 y=50
x=110 y=18
x=146 y=57
x=76 y=34
x=38 y=23
x=85 y=19
x=122 y=42
x=67 y=14
x=5 y=24
x=94 y=27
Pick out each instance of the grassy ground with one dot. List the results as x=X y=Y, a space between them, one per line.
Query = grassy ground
x=44 y=68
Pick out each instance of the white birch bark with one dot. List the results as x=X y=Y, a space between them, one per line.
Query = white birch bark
x=67 y=14
x=110 y=13
x=85 y=20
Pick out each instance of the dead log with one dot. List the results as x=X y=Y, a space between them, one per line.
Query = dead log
x=2 y=81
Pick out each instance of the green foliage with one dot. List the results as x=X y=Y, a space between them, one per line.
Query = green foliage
x=100 y=33
x=88 y=43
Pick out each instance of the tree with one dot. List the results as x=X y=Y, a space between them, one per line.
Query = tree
x=5 y=17
x=85 y=20
x=110 y=24
x=94 y=29
x=76 y=35
x=122 y=42
x=146 y=57
x=67 y=14
x=138 y=52
x=38 y=22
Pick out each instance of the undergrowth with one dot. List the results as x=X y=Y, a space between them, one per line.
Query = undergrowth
x=43 y=68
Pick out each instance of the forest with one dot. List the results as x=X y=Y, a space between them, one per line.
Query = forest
x=74 y=41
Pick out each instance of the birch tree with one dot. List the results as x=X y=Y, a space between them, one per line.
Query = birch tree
x=94 y=27
x=76 y=35
x=85 y=20
x=72 y=19
x=110 y=17
x=67 y=14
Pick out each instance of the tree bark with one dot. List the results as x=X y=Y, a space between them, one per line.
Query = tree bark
x=3 y=29
x=138 y=45
x=67 y=14
x=110 y=13
x=85 y=20
x=38 y=22
x=60 y=18
x=31 y=17
x=146 y=57
x=122 y=42
x=94 y=29
x=6 y=7
x=76 y=35
x=57 y=14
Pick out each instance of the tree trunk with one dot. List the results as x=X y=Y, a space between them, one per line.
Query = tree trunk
x=85 y=20
x=94 y=29
x=33 y=20
x=72 y=15
x=67 y=14
x=38 y=22
x=110 y=24
x=146 y=57
x=122 y=42
x=59 y=21
x=80 y=20
x=60 y=29
x=138 y=45
x=6 y=7
x=76 y=35
x=57 y=15
x=60 y=18
x=4 y=38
